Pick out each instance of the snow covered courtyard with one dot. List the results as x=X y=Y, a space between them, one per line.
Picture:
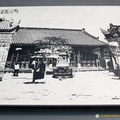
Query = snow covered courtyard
x=85 y=88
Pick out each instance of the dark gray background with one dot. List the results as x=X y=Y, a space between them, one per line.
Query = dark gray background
x=57 y=2
x=58 y=112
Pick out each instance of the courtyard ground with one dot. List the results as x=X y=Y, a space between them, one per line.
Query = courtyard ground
x=85 y=88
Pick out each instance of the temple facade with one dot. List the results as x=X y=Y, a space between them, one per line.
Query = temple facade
x=85 y=49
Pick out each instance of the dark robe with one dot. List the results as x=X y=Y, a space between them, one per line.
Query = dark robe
x=39 y=72
x=42 y=71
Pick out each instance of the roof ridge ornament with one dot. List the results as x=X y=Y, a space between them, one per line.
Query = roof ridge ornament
x=83 y=29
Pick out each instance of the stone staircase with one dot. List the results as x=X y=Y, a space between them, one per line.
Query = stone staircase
x=76 y=69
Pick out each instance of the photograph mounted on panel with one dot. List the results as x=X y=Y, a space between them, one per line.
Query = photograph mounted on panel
x=60 y=55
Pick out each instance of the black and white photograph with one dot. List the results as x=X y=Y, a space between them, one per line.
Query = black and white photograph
x=60 y=55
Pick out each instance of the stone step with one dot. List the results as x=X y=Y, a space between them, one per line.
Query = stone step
x=88 y=69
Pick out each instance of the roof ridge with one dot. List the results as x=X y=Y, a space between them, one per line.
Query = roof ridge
x=51 y=28
x=96 y=38
x=90 y=35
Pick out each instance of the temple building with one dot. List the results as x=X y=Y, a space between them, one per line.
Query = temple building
x=86 y=50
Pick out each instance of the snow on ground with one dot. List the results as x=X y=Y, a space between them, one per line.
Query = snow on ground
x=85 y=88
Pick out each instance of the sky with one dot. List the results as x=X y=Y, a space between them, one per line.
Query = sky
x=92 y=18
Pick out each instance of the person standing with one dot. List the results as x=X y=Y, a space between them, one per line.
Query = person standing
x=34 y=70
x=39 y=70
x=16 y=69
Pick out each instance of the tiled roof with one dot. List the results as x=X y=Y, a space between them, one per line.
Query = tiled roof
x=23 y=37
x=73 y=36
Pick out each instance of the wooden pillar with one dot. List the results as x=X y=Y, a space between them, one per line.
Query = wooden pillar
x=17 y=57
x=11 y=62
x=85 y=58
x=79 y=58
x=99 y=57
x=25 y=61
x=74 y=57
